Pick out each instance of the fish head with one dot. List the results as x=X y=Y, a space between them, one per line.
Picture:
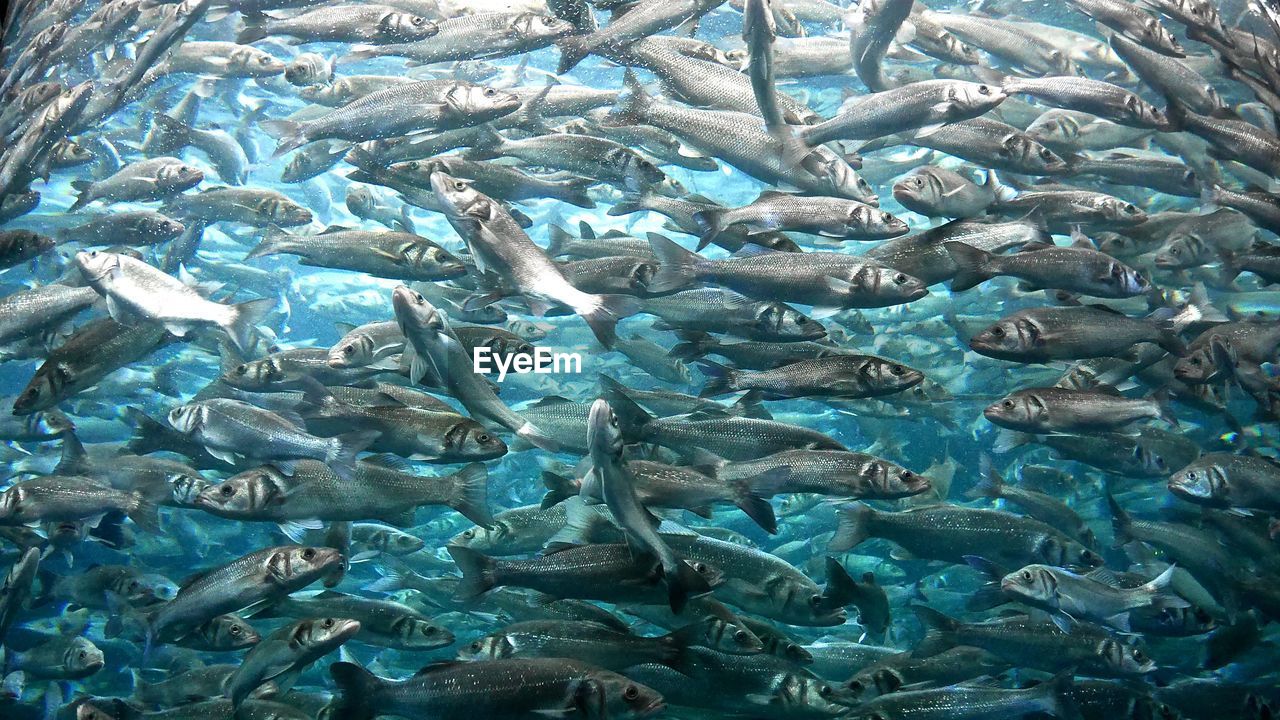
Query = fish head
x=188 y=419
x=541 y=28
x=322 y=632
x=1156 y=35
x=461 y=201
x=1123 y=280
x=98 y=267
x=89 y=710
x=604 y=434
x=605 y=695
x=805 y=695
x=49 y=423
x=228 y=632
x=889 y=376
x=873 y=683
x=82 y=658
x=155 y=225
x=354 y=350
x=1123 y=659
x=255 y=62
x=65 y=533
x=877 y=223
x=470 y=441
x=968 y=99
x=403 y=27
x=1201 y=482
x=782 y=322
x=486 y=102
x=490 y=647
x=1017 y=410
x=244 y=494
x=1181 y=250
x=1033 y=582
x=255 y=374
x=43 y=389
x=921 y=188
x=421 y=633
x=293 y=564
x=1197 y=366
x=482 y=538
x=1019 y=146
x=132 y=589
x=393 y=541
x=178 y=177
x=159 y=586
x=1011 y=337
x=184 y=488
x=416 y=314
x=285 y=212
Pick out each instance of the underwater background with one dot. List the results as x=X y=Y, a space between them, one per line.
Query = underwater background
x=923 y=359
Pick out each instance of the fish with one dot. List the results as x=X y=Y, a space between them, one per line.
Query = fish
x=280 y=656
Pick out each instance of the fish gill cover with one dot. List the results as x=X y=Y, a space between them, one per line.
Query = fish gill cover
x=461 y=359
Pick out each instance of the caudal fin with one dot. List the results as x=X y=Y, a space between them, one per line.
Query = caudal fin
x=356 y=687
x=572 y=50
x=254 y=30
x=290 y=134
x=973 y=265
x=710 y=224
x=244 y=317
x=574 y=192
x=470 y=495
x=1163 y=406
x=603 y=315
x=683 y=584
x=756 y=506
x=274 y=242
x=722 y=380
x=85 y=190
x=677 y=267
x=145 y=514
x=343 y=449
x=477 y=572
x=941 y=633
x=851 y=528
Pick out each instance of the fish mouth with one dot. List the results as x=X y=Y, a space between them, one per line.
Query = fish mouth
x=652 y=708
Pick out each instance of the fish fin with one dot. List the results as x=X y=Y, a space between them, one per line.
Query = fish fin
x=685 y=583
x=851 y=528
x=244 y=317
x=603 y=313
x=343 y=449
x=477 y=572
x=356 y=688
x=470 y=494
x=676 y=265
x=289 y=133
x=722 y=380
x=974 y=265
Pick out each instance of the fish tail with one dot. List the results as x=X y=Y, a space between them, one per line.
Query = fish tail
x=1059 y=696
x=572 y=50
x=1162 y=595
x=290 y=134
x=841 y=588
x=603 y=314
x=941 y=631
x=253 y=30
x=274 y=242
x=343 y=449
x=632 y=105
x=470 y=495
x=974 y=265
x=85 y=196
x=356 y=687
x=147 y=432
x=711 y=223
x=1120 y=521
x=990 y=484
x=722 y=380
x=574 y=192
x=1164 y=409
x=683 y=582
x=244 y=317
x=851 y=528
x=694 y=346
x=676 y=644
x=559 y=489
x=756 y=505
x=556 y=239
x=477 y=572
x=145 y=514
x=677 y=267
x=631 y=417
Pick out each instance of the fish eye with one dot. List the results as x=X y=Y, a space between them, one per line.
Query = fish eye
x=895 y=369
x=1191 y=476
x=1088 y=556
x=701 y=568
x=308 y=554
x=458 y=184
x=741 y=636
x=429 y=630
x=234 y=630
x=631 y=692
x=226 y=491
x=984 y=90
x=900 y=279
x=490 y=92
x=1139 y=655
x=349 y=350
x=476 y=646
x=470 y=534
x=824 y=691
x=1008 y=404
x=483 y=437
x=815 y=600
x=1026 y=575
x=242 y=369
x=328 y=623
x=997 y=331
x=418 y=21
x=855 y=686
